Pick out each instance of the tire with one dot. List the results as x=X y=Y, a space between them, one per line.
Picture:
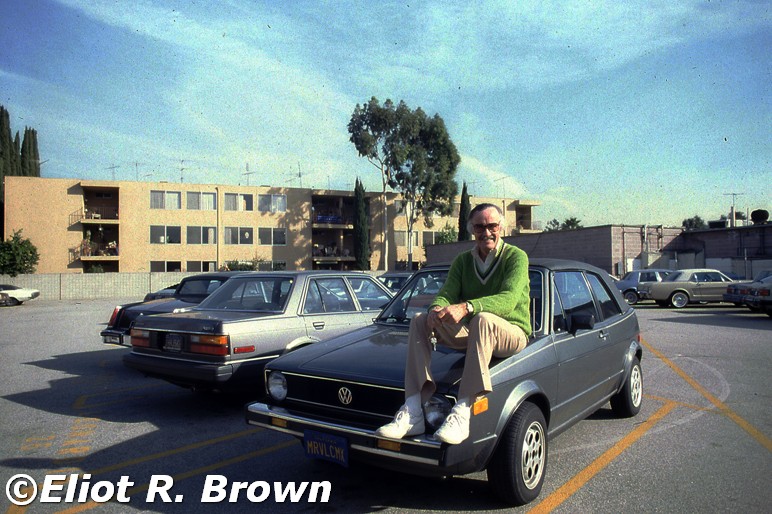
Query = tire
x=631 y=297
x=516 y=471
x=627 y=402
x=679 y=299
x=13 y=301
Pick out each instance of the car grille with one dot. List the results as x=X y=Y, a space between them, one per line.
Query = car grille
x=368 y=405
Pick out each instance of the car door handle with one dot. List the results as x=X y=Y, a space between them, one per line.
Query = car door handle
x=318 y=325
x=603 y=335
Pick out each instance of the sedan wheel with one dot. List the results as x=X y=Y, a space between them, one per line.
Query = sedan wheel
x=679 y=299
x=627 y=402
x=631 y=297
x=13 y=301
x=517 y=469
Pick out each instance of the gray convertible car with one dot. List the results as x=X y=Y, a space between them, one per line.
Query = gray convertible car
x=584 y=351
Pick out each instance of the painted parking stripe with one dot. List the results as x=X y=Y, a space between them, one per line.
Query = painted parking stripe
x=565 y=491
x=187 y=474
x=765 y=441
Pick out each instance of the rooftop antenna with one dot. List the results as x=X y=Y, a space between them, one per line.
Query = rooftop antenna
x=136 y=169
x=113 y=168
x=182 y=168
x=732 y=214
x=248 y=173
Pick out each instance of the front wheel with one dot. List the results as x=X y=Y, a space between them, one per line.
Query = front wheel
x=679 y=299
x=516 y=471
x=631 y=297
x=627 y=402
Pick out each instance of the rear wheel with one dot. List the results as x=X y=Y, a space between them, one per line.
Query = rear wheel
x=627 y=402
x=516 y=471
x=631 y=297
x=13 y=301
x=679 y=299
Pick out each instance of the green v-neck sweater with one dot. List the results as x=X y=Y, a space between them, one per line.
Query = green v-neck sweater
x=503 y=290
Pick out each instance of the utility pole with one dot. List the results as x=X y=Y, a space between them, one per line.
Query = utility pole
x=136 y=169
x=732 y=213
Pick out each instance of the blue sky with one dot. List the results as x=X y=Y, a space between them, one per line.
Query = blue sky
x=610 y=112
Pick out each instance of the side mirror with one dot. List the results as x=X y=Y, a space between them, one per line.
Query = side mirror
x=581 y=322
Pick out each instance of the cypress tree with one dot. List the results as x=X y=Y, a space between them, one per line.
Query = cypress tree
x=361 y=229
x=463 y=215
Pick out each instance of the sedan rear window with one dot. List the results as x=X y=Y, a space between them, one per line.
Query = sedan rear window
x=261 y=293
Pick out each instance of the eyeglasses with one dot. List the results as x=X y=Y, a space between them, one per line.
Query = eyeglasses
x=490 y=227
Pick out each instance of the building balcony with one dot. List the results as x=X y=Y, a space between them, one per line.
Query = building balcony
x=94 y=252
x=95 y=215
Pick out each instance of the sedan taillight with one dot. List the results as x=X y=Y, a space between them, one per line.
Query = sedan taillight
x=140 y=337
x=114 y=317
x=210 y=345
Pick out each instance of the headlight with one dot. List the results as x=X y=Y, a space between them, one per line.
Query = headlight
x=436 y=409
x=277 y=386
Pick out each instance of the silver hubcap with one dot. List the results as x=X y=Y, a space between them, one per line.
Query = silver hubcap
x=680 y=300
x=636 y=386
x=533 y=455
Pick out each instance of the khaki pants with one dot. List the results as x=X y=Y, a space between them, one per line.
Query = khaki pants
x=485 y=336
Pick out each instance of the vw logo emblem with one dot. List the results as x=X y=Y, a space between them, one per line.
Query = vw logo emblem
x=344 y=395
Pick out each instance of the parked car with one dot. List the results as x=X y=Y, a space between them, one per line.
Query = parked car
x=632 y=280
x=224 y=342
x=737 y=291
x=394 y=280
x=584 y=351
x=189 y=292
x=759 y=298
x=686 y=286
x=166 y=292
x=18 y=295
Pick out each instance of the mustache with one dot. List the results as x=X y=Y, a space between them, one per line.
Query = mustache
x=486 y=238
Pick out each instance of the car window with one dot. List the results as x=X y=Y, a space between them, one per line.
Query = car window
x=674 y=277
x=648 y=276
x=575 y=295
x=335 y=295
x=369 y=295
x=415 y=297
x=313 y=304
x=260 y=293
x=200 y=287
x=537 y=305
x=608 y=306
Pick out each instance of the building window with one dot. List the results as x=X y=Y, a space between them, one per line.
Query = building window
x=202 y=236
x=201 y=201
x=237 y=202
x=271 y=266
x=400 y=238
x=199 y=266
x=272 y=203
x=267 y=236
x=428 y=237
x=160 y=235
x=165 y=266
x=238 y=235
x=165 y=200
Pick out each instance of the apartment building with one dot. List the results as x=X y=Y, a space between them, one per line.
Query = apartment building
x=130 y=226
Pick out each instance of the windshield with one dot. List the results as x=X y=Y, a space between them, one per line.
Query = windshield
x=259 y=293
x=419 y=293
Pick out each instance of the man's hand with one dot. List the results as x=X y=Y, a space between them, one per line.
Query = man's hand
x=450 y=314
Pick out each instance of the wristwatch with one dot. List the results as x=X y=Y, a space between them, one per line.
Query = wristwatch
x=469 y=308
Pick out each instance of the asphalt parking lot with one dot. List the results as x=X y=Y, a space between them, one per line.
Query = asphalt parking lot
x=701 y=442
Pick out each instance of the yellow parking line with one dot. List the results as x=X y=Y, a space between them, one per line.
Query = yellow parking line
x=765 y=441
x=187 y=474
x=552 y=501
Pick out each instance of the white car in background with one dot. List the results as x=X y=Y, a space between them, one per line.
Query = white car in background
x=18 y=295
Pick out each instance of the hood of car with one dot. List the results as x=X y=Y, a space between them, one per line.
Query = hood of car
x=374 y=355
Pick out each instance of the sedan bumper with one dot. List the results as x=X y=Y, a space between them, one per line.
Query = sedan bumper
x=119 y=337
x=177 y=371
x=422 y=455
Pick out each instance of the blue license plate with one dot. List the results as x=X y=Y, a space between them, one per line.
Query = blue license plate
x=330 y=447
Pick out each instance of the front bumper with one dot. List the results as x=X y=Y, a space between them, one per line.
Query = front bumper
x=422 y=455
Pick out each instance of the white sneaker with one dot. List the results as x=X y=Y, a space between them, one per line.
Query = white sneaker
x=403 y=425
x=455 y=428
